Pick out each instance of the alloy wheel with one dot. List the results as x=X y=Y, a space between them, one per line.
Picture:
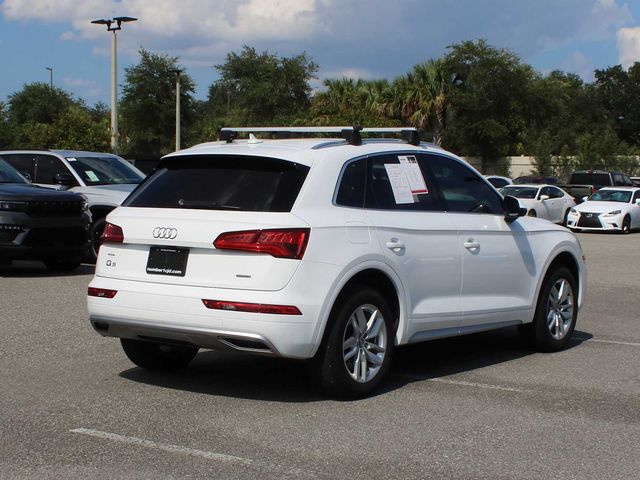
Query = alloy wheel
x=364 y=343
x=560 y=305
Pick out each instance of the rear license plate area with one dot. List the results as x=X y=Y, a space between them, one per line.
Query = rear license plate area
x=167 y=261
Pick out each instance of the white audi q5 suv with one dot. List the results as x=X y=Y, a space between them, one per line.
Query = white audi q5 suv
x=335 y=250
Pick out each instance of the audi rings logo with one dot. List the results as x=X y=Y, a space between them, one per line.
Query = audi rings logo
x=166 y=233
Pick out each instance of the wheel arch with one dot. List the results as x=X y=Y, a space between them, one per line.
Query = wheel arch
x=568 y=259
x=379 y=277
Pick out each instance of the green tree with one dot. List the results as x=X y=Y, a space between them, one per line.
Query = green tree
x=148 y=105
x=617 y=92
x=38 y=103
x=262 y=88
x=6 y=128
x=422 y=97
x=492 y=101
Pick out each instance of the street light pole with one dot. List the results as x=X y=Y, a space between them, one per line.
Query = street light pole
x=177 y=72
x=118 y=21
x=50 y=77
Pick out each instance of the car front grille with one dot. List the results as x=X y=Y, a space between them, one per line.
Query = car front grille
x=589 y=220
x=51 y=237
x=71 y=208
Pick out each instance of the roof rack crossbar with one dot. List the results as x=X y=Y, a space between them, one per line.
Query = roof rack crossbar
x=353 y=134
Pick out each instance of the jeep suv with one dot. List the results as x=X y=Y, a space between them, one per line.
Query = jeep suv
x=329 y=249
x=41 y=224
x=104 y=179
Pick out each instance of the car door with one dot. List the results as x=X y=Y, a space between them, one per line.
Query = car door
x=498 y=268
x=23 y=162
x=46 y=169
x=418 y=240
x=635 y=210
x=556 y=204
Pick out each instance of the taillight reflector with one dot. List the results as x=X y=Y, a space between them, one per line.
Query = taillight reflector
x=101 y=292
x=280 y=243
x=112 y=234
x=252 y=307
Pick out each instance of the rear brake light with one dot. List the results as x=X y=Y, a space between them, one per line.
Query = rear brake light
x=112 y=234
x=280 y=243
x=101 y=292
x=252 y=307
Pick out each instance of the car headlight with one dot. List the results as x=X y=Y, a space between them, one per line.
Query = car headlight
x=613 y=214
x=573 y=211
x=11 y=206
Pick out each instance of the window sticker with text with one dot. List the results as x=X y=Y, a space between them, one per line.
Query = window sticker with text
x=413 y=173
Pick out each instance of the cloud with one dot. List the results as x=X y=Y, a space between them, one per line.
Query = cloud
x=629 y=46
x=580 y=64
x=89 y=87
x=376 y=37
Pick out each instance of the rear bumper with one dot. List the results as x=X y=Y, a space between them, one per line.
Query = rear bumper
x=176 y=314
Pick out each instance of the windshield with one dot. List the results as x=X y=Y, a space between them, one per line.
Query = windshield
x=520 y=192
x=105 y=170
x=611 y=196
x=8 y=174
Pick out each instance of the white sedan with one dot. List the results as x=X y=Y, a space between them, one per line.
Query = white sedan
x=610 y=208
x=544 y=201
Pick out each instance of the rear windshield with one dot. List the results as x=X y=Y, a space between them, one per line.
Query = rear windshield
x=217 y=182
x=586 y=178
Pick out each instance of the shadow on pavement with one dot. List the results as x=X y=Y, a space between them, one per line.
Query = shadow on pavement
x=25 y=268
x=238 y=375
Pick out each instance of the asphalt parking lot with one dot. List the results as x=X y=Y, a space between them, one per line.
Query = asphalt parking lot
x=73 y=406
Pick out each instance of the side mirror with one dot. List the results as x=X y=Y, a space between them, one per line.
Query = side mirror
x=65 y=179
x=512 y=209
x=544 y=197
x=584 y=199
x=26 y=175
x=638 y=201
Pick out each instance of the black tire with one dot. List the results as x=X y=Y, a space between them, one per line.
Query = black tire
x=532 y=213
x=626 y=225
x=157 y=356
x=95 y=232
x=539 y=333
x=330 y=367
x=62 y=265
x=576 y=230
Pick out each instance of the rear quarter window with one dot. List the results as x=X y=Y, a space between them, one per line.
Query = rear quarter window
x=222 y=182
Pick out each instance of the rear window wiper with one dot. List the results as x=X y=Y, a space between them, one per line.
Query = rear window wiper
x=206 y=204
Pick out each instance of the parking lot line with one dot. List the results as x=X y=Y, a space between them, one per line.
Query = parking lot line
x=612 y=342
x=162 y=446
x=465 y=384
x=221 y=457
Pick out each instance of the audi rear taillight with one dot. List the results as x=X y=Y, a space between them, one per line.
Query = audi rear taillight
x=101 y=292
x=112 y=234
x=280 y=243
x=252 y=307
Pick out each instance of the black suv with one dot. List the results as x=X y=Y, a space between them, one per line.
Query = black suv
x=38 y=223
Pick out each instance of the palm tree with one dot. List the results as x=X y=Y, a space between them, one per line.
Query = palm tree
x=422 y=96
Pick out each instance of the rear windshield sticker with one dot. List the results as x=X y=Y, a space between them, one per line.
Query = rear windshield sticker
x=92 y=176
x=399 y=183
x=414 y=174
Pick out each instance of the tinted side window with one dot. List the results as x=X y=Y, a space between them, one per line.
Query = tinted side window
x=545 y=191
x=636 y=196
x=23 y=162
x=220 y=182
x=380 y=193
x=463 y=190
x=47 y=167
x=352 y=185
x=556 y=192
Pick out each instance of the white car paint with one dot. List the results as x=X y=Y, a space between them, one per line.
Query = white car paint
x=607 y=215
x=453 y=273
x=543 y=205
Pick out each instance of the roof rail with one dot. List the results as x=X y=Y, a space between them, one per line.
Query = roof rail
x=352 y=134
